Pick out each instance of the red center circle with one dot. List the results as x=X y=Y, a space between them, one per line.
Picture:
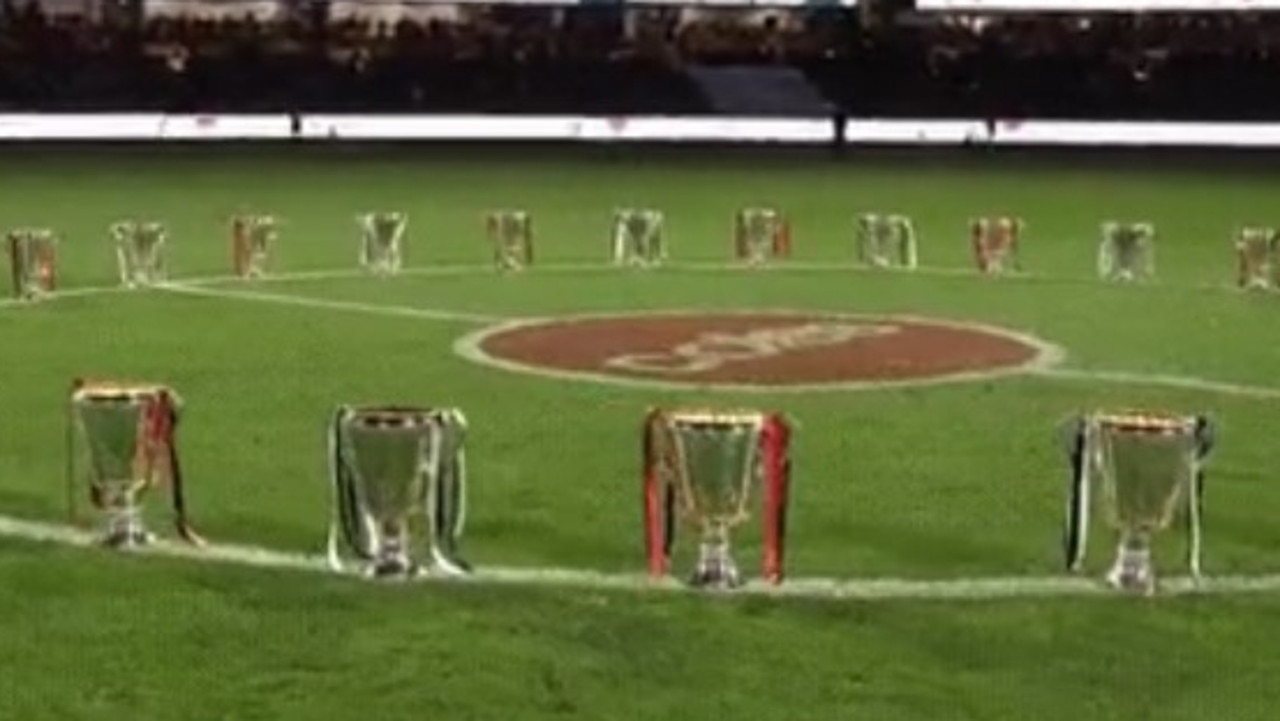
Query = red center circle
x=757 y=349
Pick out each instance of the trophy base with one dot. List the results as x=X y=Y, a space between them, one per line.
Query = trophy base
x=1132 y=572
x=125 y=530
x=715 y=570
x=394 y=569
x=382 y=269
x=126 y=539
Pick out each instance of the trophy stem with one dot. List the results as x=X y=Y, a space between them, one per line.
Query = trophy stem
x=1133 y=570
x=715 y=569
x=124 y=526
x=391 y=560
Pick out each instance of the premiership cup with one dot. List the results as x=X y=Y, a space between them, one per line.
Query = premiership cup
x=1127 y=251
x=33 y=262
x=1149 y=468
x=1258 y=258
x=399 y=482
x=637 y=237
x=140 y=252
x=510 y=233
x=122 y=440
x=702 y=468
x=382 y=241
x=252 y=240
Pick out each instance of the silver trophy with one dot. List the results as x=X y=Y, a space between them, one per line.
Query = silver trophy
x=382 y=238
x=399 y=485
x=253 y=237
x=122 y=441
x=997 y=244
x=1148 y=469
x=511 y=235
x=703 y=467
x=637 y=238
x=33 y=262
x=140 y=252
x=885 y=240
x=1127 y=251
x=760 y=234
x=1258 y=258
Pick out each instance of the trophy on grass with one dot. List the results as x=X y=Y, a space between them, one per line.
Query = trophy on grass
x=122 y=441
x=760 y=234
x=1258 y=258
x=511 y=235
x=885 y=240
x=252 y=239
x=996 y=244
x=140 y=252
x=382 y=241
x=637 y=238
x=1148 y=469
x=399 y=490
x=33 y=262
x=702 y=467
x=1127 y=251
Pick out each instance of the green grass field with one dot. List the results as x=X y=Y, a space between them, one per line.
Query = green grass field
x=944 y=482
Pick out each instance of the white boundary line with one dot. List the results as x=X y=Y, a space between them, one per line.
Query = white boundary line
x=866 y=589
x=68 y=293
x=427 y=271
x=714 y=267
x=470 y=347
x=1182 y=382
x=339 y=273
x=336 y=305
x=295 y=276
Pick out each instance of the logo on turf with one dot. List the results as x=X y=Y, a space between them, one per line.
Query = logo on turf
x=712 y=350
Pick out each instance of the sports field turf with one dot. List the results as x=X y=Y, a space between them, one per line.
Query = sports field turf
x=945 y=482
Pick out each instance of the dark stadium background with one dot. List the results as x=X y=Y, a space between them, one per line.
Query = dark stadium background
x=933 y=485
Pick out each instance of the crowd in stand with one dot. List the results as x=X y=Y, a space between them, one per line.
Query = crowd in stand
x=1210 y=66
x=515 y=62
x=608 y=60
